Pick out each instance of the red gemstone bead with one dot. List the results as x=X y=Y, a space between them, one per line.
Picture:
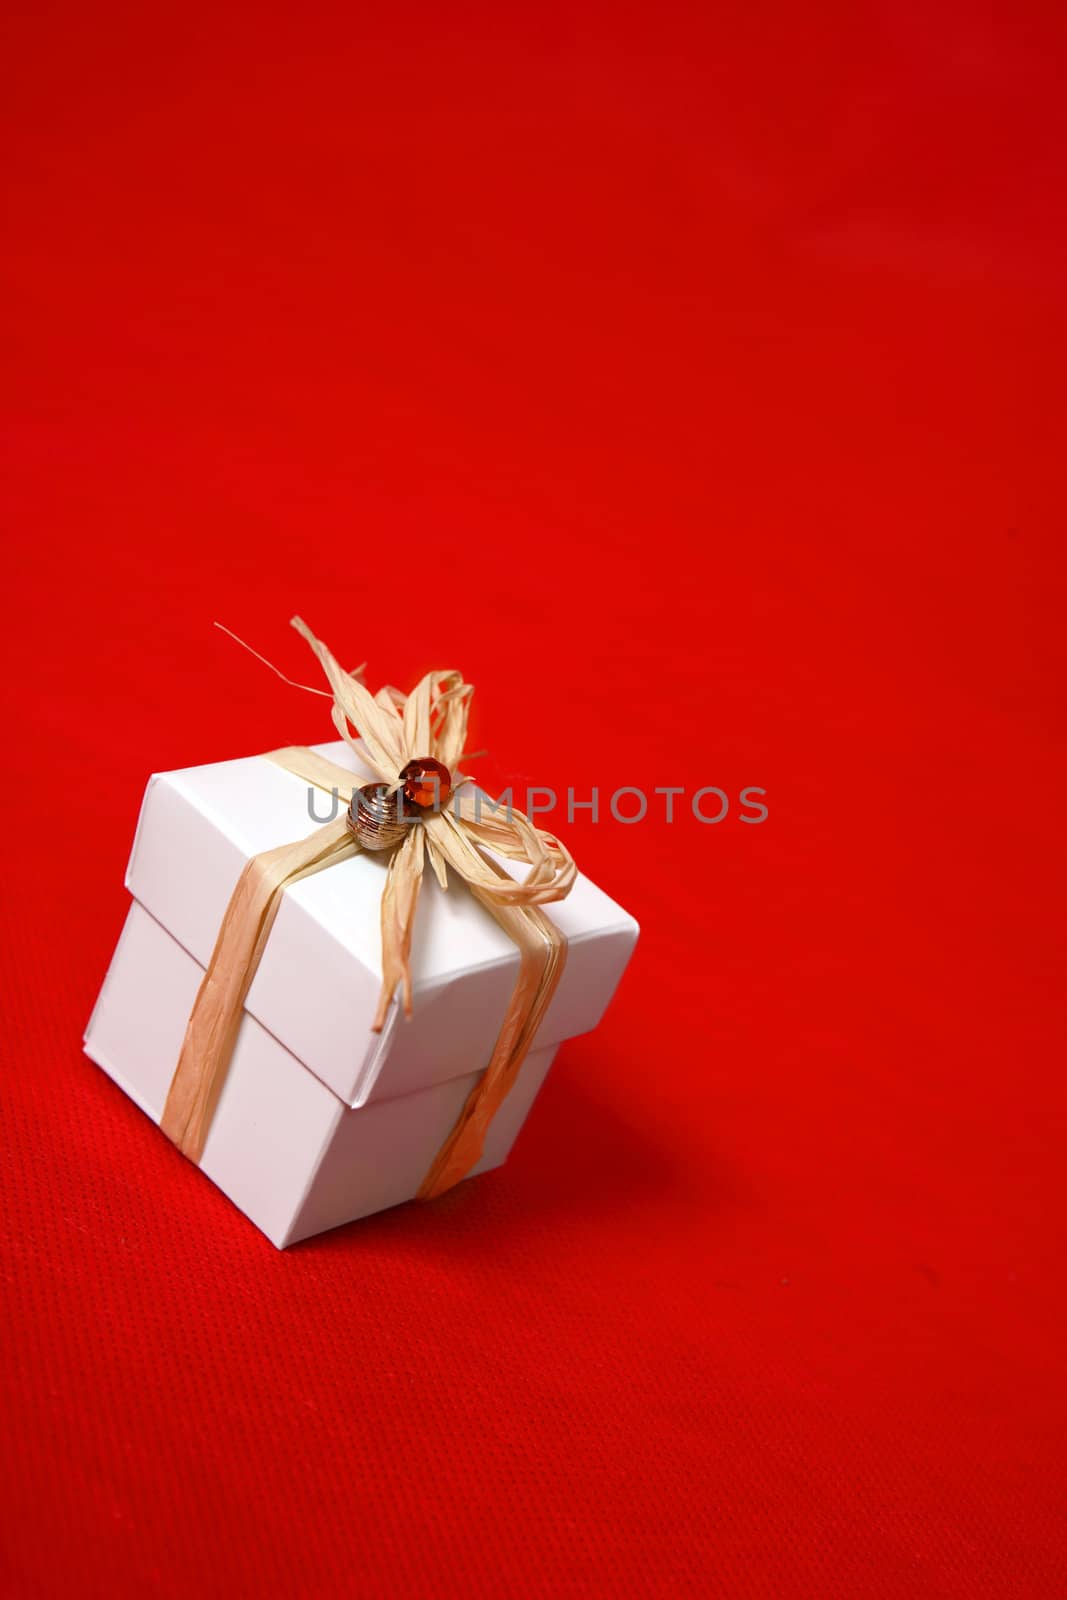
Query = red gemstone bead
x=427 y=783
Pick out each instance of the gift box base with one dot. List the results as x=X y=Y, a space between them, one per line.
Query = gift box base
x=282 y=1146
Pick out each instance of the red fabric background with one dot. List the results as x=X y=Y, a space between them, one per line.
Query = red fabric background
x=705 y=363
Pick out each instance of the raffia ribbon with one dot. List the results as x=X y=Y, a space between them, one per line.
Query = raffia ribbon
x=387 y=730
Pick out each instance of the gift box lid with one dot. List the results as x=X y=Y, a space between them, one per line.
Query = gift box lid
x=317 y=985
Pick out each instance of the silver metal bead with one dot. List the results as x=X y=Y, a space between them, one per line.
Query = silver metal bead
x=373 y=817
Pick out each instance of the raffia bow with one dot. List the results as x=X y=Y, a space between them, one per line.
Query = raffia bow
x=388 y=730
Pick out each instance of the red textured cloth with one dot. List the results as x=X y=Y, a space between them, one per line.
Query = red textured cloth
x=706 y=363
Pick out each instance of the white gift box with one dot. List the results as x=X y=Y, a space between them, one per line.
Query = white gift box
x=321 y=1121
